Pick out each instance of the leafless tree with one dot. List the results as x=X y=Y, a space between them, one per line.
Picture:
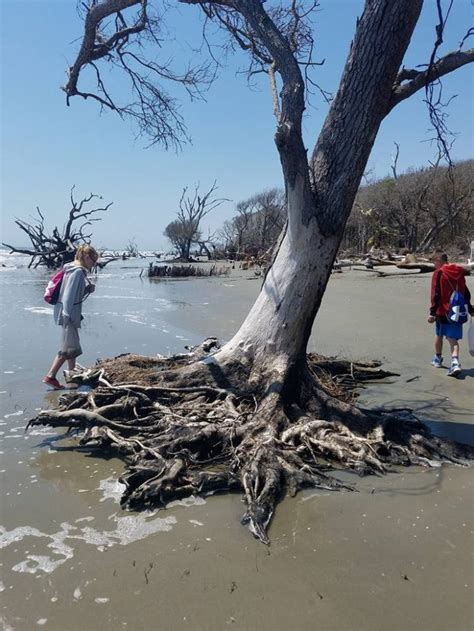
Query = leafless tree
x=257 y=225
x=53 y=249
x=240 y=224
x=227 y=236
x=448 y=216
x=131 y=249
x=415 y=210
x=267 y=220
x=120 y=40
x=184 y=231
x=209 y=246
x=255 y=415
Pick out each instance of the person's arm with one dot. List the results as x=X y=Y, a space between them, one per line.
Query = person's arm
x=73 y=292
x=437 y=296
x=89 y=288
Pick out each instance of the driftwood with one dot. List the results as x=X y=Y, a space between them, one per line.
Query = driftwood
x=383 y=274
x=426 y=268
x=56 y=248
x=184 y=271
x=415 y=268
x=421 y=268
x=180 y=430
x=410 y=262
x=102 y=263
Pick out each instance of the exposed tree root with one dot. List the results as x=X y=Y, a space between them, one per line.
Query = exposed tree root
x=181 y=431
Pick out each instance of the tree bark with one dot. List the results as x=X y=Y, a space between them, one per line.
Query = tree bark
x=321 y=194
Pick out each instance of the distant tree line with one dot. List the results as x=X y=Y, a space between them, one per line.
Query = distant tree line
x=251 y=233
x=415 y=211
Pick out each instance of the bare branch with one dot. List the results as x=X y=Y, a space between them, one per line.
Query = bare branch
x=410 y=81
x=469 y=34
x=279 y=40
x=274 y=91
x=154 y=111
x=55 y=249
x=395 y=161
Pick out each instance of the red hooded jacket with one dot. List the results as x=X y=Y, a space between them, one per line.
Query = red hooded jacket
x=448 y=278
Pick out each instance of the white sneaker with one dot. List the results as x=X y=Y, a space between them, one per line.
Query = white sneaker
x=454 y=370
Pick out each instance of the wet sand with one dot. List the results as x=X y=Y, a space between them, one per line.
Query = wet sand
x=395 y=555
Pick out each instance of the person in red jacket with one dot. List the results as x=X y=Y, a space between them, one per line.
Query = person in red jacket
x=447 y=278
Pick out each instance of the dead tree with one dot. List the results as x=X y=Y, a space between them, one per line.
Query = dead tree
x=184 y=231
x=53 y=249
x=266 y=222
x=257 y=415
x=131 y=249
x=240 y=223
x=414 y=210
x=208 y=246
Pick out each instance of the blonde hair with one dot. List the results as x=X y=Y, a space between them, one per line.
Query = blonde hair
x=85 y=250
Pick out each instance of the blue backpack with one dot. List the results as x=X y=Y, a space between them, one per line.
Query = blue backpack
x=458 y=312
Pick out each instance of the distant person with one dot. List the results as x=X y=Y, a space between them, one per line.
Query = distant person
x=447 y=277
x=68 y=310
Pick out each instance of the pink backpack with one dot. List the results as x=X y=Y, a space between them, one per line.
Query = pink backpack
x=51 y=294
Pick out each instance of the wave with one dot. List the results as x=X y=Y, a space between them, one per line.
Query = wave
x=41 y=310
x=13 y=260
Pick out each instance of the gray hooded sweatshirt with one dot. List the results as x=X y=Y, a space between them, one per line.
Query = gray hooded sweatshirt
x=68 y=309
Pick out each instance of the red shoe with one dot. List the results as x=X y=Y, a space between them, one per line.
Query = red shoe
x=53 y=382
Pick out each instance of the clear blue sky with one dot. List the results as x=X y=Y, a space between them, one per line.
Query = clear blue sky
x=47 y=147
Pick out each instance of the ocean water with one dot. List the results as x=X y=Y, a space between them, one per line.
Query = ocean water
x=60 y=508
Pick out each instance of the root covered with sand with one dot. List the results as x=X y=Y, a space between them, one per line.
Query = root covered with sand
x=184 y=425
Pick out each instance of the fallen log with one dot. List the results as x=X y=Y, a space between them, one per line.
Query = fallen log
x=422 y=268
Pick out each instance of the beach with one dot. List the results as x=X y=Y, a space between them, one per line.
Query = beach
x=395 y=555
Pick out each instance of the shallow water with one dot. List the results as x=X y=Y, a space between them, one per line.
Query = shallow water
x=395 y=555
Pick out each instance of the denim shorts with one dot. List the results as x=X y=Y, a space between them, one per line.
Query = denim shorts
x=450 y=329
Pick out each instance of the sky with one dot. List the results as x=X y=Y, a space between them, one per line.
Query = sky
x=47 y=147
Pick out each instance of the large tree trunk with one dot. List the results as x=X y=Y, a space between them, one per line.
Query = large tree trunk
x=321 y=195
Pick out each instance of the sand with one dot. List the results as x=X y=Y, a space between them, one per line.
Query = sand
x=395 y=555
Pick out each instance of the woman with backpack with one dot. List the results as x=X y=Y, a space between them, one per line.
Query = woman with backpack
x=68 y=310
x=448 y=284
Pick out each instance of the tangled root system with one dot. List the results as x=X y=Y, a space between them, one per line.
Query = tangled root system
x=181 y=433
